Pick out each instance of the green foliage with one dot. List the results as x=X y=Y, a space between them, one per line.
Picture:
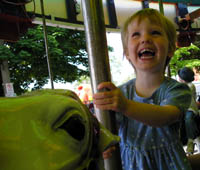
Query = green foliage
x=5 y=53
x=185 y=56
x=28 y=62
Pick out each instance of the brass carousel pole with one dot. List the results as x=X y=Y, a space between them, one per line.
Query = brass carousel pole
x=99 y=66
x=162 y=12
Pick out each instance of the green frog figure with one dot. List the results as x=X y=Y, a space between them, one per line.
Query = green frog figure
x=50 y=130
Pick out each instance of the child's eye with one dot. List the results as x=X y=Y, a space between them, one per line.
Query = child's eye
x=155 y=32
x=135 y=34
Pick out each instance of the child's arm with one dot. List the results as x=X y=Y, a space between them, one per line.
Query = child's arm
x=149 y=114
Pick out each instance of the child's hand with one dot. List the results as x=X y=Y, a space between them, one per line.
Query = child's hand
x=110 y=100
x=108 y=153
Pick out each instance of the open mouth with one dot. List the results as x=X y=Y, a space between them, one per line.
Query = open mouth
x=146 y=54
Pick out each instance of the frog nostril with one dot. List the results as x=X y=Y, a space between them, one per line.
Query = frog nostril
x=74 y=127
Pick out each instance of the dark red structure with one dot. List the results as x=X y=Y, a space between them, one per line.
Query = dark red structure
x=14 y=21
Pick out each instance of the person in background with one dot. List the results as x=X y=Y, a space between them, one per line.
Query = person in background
x=150 y=107
x=186 y=75
x=85 y=94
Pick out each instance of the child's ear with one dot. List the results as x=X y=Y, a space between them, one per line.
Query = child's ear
x=127 y=57
x=126 y=54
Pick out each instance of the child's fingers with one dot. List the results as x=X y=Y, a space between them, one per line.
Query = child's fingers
x=112 y=148
x=102 y=95
x=108 y=153
x=106 y=107
x=107 y=85
x=105 y=94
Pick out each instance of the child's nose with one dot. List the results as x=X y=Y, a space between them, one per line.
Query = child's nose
x=146 y=38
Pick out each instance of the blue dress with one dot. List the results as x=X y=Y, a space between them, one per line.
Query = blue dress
x=149 y=148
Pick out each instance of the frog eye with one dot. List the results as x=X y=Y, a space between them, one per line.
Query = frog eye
x=74 y=127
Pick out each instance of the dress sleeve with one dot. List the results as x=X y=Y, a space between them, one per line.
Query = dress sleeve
x=127 y=90
x=179 y=95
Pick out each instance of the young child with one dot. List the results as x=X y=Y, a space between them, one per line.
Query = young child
x=150 y=107
x=186 y=75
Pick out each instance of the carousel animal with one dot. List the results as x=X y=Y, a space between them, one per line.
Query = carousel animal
x=50 y=130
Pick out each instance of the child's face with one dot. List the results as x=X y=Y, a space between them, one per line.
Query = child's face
x=147 y=46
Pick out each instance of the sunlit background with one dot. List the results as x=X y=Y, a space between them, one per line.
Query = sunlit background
x=121 y=70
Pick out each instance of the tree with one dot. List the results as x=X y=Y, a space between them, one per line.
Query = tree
x=28 y=63
x=185 y=56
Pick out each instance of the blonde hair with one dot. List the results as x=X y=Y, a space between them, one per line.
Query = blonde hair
x=156 y=18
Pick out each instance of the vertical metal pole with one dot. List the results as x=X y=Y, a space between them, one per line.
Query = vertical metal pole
x=99 y=66
x=46 y=44
x=161 y=7
x=162 y=12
